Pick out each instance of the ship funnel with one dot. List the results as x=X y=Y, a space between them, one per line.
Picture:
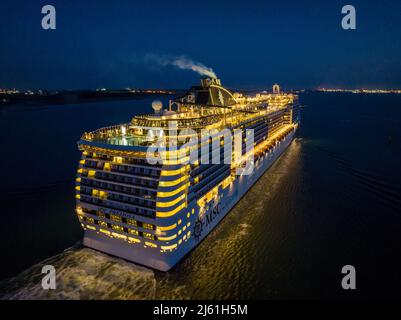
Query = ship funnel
x=157 y=106
x=206 y=82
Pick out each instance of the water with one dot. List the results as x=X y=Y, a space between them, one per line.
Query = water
x=332 y=199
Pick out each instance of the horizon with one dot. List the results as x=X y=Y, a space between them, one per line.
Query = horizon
x=317 y=88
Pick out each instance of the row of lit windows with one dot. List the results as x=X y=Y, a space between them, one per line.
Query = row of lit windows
x=212 y=179
x=147 y=194
x=173 y=182
x=128 y=199
x=254 y=122
x=166 y=194
x=185 y=236
x=115 y=205
x=115 y=197
x=118 y=178
x=134 y=161
x=267 y=145
x=170 y=213
x=213 y=193
x=99 y=194
x=170 y=203
x=98 y=151
x=119 y=236
x=182 y=170
x=115 y=227
x=118 y=218
x=121 y=168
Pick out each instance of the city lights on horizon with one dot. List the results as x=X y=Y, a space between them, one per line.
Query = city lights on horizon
x=167 y=91
x=375 y=91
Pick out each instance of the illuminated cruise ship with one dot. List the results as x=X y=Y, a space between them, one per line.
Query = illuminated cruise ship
x=154 y=210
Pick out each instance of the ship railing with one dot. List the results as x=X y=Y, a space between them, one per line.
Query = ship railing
x=202 y=121
x=105 y=132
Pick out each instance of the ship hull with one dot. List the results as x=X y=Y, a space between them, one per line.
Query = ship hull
x=202 y=222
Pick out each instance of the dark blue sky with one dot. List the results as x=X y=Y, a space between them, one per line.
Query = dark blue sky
x=249 y=44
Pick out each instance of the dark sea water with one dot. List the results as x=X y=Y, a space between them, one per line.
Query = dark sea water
x=332 y=199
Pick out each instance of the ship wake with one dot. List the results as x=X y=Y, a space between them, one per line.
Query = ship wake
x=83 y=273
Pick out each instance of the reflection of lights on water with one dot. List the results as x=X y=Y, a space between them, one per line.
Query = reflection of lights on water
x=293 y=151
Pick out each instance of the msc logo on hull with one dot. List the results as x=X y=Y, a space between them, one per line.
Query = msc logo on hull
x=204 y=220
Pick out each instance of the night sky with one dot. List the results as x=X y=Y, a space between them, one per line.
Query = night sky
x=249 y=44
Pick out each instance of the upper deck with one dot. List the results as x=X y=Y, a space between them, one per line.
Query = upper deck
x=210 y=106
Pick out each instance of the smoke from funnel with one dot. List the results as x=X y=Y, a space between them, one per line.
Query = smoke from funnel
x=182 y=62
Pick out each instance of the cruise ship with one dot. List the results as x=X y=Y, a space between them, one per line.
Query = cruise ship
x=154 y=210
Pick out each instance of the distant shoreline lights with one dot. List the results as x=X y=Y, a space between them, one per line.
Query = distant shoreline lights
x=375 y=91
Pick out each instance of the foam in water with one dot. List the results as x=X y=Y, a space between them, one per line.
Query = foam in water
x=83 y=273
